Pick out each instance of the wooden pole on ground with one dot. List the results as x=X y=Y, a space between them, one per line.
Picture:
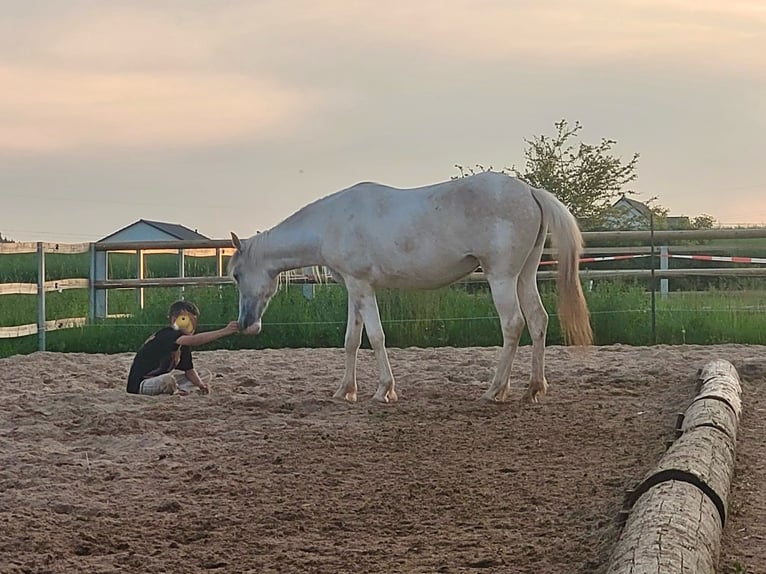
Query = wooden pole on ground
x=678 y=511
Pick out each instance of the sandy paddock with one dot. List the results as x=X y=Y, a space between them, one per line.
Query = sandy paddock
x=269 y=474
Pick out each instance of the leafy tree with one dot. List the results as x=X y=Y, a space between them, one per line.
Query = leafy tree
x=703 y=221
x=663 y=221
x=5 y=239
x=587 y=178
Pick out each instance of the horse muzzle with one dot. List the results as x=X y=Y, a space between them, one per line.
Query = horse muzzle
x=250 y=316
x=253 y=329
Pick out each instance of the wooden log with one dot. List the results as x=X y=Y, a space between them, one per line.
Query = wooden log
x=710 y=412
x=674 y=528
x=723 y=388
x=702 y=456
x=718 y=381
x=718 y=368
x=677 y=513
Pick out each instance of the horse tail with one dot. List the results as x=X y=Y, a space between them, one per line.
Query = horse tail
x=573 y=313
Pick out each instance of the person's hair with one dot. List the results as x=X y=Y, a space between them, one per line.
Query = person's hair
x=180 y=306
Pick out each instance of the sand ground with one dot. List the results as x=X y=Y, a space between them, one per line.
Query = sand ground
x=269 y=474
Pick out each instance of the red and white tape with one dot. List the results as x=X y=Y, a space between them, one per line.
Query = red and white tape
x=733 y=259
x=719 y=258
x=595 y=259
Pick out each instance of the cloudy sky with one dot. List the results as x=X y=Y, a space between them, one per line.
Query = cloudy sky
x=233 y=114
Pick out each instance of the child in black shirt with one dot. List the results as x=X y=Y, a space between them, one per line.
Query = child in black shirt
x=169 y=349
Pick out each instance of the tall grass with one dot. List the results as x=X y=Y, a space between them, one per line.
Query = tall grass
x=461 y=315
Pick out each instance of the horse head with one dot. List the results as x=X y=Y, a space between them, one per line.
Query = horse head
x=255 y=281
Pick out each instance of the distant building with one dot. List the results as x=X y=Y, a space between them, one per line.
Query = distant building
x=142 y=230
x=678 y=222
x=628 y=213
x=145 y=230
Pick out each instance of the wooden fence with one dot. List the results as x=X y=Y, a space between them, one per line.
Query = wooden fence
x=98 y=283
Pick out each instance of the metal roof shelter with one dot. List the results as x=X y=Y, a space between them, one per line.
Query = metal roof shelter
x=146 y=230
x=141 y=231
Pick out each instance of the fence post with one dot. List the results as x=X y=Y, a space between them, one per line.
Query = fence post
x=664 y=261
x=182 y=269
x=40 y=296
x=92 y=284
x=100 y=269
x=218 y=262
x=140 y=275
x=308 y=288
x=653 y=278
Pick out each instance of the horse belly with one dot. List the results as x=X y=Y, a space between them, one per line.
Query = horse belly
x=432 y=274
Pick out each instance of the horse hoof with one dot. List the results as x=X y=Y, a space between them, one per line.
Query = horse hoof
x=348 y=397
x=392 y=396
x=531 y=398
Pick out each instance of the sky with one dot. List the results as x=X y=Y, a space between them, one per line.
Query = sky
x=231 y=115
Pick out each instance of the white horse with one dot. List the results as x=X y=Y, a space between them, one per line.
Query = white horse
x=373 y=236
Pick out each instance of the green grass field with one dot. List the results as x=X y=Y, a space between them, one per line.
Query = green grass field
x=461 y=315
x=455 y=316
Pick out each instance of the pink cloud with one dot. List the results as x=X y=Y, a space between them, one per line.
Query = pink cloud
x=52 y=110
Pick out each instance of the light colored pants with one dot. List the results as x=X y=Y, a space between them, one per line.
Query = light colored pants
x=169 y=383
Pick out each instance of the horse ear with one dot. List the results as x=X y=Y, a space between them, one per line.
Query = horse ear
x=235 y=241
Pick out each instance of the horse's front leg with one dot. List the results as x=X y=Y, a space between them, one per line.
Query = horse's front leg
x=348 y=388
x=371 y=316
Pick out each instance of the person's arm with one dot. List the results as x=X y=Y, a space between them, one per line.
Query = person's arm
x=208 y=336
x=193 y=376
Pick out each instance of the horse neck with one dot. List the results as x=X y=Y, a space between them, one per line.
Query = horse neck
x=288 y=246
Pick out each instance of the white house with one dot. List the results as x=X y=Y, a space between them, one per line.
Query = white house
x=630 y=214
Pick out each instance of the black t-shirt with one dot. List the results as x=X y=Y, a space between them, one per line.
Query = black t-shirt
x=158 y=355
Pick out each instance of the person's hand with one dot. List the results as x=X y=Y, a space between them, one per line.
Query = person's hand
x=231 y=328
x=204 y=388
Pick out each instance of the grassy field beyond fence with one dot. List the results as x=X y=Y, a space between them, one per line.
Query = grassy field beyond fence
x=461 y=315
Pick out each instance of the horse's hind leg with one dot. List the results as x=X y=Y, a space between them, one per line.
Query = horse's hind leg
x=348 y=388
x=512 y=324
x=537 y=323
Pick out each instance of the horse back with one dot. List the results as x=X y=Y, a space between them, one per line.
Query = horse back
x=434 y=234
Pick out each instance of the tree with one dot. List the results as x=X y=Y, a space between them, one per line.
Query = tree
x=703 y=221
x=587 y=178
x=5 y=239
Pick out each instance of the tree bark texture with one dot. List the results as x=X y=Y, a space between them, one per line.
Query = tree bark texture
x=677 y=513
